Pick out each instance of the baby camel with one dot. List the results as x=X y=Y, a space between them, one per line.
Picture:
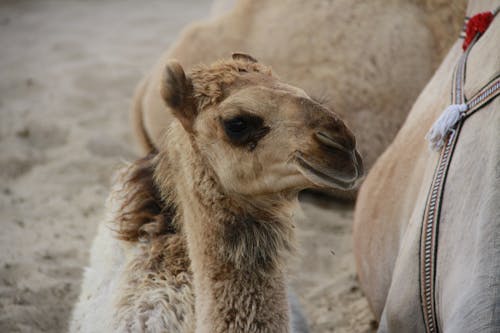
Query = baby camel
x=198 y=233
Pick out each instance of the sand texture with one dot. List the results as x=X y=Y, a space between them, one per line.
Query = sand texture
x=68 y=71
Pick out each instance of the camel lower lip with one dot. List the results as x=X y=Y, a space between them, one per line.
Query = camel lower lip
x=325 y=179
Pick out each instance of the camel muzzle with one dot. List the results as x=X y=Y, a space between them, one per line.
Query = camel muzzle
x=331 y=163
x=342 y=147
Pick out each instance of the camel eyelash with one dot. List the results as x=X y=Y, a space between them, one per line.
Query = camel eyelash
x=245 y=129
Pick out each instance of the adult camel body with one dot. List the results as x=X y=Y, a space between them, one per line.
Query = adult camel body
x=368 y=59
x=391 y=202
x=198 y=234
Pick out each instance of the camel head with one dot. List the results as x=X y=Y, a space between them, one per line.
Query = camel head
x=259 y=135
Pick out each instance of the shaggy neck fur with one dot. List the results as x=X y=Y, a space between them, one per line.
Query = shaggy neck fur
x=237 y=246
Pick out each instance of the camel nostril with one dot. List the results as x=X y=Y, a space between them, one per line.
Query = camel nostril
x=332 y=143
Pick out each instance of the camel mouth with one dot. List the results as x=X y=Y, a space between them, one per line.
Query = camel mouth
x=323 y=178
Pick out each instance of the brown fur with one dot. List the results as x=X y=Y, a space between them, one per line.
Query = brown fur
x=144 y=215
x=242 y=259
x=205 y=227
x=238 y=243
x=211 y=82
x=370 y=58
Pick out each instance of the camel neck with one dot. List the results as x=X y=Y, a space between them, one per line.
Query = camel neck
x=237 y=256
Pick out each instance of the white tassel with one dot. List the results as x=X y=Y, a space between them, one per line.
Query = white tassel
x=444 y=124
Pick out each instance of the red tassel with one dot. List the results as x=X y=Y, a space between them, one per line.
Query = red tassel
x=477 y=24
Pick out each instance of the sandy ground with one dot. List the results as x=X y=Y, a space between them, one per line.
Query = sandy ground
x=68 y=70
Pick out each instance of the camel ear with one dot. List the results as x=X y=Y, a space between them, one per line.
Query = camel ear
x=177 y=92
x=243 y=56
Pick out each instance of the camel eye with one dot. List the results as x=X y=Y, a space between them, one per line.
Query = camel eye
x=244 y=129
x=235 y=126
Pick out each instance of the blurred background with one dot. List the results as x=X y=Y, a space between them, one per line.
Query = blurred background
x=68 y=73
